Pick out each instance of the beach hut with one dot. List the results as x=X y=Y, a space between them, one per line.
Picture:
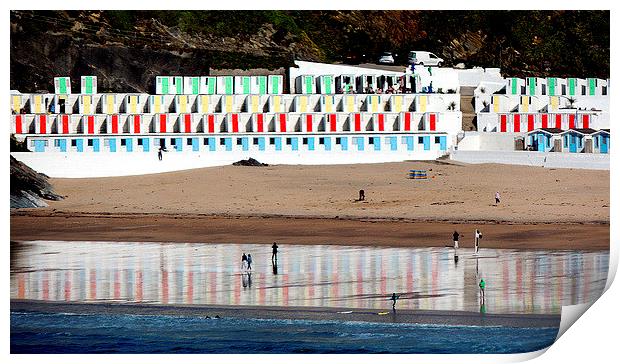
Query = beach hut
x=430 y=121
x=191 y=85
x=306 y=103
x=305 y=84
x=43 y=124
x=90 y=124
x=333 y=122
x=228 y=104
x=207 y=103
x=328 y=103
x=534 y=86
x=169 y=85
x=225 y=85
x=365 y=83
x=345 y=83
x=163 y=123
x=190 y=123
x=183 y=104
x=157 y=104
x=243 y=85
x=259 y=123
x=571 y=87
x=88 y=85
x=276 y=84
x=115 y=123
x=138 y=123
x=574 y=140
x=208 y=85
x=350 y=103
x=516 y=86
x=386 y=81
x=326 y=84
x=233 y=124
x=109 y=103
x=544 y=140
x=62 y=85
x=256 y=103
x=309 y=123
x=601 y=141
x=134 y=103
x=211 y=124
x=281 y=123
x=374 y=103
x=277 y=103
x=409 y=121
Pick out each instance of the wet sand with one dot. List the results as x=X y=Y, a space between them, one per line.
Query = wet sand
x=299 y=313
x=56 y=225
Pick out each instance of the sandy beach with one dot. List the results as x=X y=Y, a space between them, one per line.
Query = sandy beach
x=540 y=208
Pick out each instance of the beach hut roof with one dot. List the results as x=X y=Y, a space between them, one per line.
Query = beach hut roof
x=605 y=131
x=584 y=131
x=546 y=130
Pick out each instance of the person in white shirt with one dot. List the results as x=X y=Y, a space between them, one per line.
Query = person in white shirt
x=477 y=237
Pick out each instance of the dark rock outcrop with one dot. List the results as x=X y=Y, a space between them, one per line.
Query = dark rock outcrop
x=28 y=187
x=250 y=163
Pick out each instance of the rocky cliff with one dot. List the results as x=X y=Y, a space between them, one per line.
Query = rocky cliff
x=127 y=49
x=29 y=188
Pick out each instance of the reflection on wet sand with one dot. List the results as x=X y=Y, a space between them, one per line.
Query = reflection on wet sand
x=323 y=275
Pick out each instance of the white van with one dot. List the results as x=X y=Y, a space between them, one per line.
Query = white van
x=424 y=58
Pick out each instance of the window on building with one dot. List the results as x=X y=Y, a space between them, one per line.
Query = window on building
x=437 y=140
x=595 y=142
x=89 y=142
x=583 y=89
x=272 y=141
x=420 y=140
x=371 y=140
x=604 y=90
x=57 y=143
x=222 y=141
x=123 y=142
x=239 y=141
x=321 y=141
x=189 y=141
x=172 y=142
x=289 y=141
x=338 y=141
x=305 y=141
x=205 y=141
x=140 y=141
x=74 y=143
x=544 y=89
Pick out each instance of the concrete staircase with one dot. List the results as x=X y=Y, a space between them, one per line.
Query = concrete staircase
x=467 y=108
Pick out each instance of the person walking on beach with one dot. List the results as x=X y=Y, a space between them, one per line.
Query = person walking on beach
x=244 y=261
x=393 y=299
x=249 y=261
x=159 y=154
x=274 y=251
x=477 y=237
x=482 y=285
x=455 y=236
x=497 y=198
x=362 y=195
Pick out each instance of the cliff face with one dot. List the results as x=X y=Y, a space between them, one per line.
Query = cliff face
x=29 y=188
x=127 y=49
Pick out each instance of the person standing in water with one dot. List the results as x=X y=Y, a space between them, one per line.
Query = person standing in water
x=249 y=261
x=274 y=251
x=477 y=237
x=393 y=299
x=455 y=236
x=244 y=261
x=482 y=285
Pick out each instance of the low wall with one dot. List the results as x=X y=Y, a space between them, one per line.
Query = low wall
x=539 y=159
x=481 y=141
x=85 y=165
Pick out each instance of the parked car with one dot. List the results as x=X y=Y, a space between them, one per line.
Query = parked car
x=386 y=58
x=424 y=58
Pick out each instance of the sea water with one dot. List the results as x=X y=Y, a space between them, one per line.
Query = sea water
x=121 y=333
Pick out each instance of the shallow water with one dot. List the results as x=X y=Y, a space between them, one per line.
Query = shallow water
x=322 y=276
x=99 y=333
